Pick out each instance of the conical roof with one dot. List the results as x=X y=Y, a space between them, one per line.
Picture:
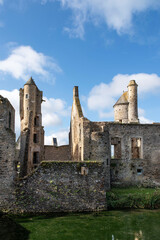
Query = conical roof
x=30 y=82
x=123 y=99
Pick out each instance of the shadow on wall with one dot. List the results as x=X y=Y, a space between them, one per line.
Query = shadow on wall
x=10 y=230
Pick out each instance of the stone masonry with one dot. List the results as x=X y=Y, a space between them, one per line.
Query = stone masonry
x=7 y=152
x=32 y=133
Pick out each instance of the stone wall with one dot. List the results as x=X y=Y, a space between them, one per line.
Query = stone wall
x=7 y=166
x=143 y=170
x=136 y=147
x=61 y=153
x=63 y=186
x=96 y=142
x=76 y=127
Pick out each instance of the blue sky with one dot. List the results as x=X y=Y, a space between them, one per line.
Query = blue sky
x=98 y=45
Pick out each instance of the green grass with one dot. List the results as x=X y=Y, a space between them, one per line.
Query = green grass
x=121 y=225
x=121 y=198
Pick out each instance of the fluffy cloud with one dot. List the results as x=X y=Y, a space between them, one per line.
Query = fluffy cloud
x=142 y=118
x=115 y=13
x=53 y=110
x=103 y=96
x=62 y=137
x=25 y=61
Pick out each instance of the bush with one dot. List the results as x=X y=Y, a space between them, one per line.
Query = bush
x=133 y=198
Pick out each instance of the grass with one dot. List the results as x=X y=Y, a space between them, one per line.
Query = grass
x=109 y=225
x=132 y=198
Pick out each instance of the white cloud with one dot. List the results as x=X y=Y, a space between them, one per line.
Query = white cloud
x=117 y=14
x=142 y=118
x=62 y=137
x=1 y=2
x=53 y=110
x=104 y=96
x=13 y=97
x=25 y=61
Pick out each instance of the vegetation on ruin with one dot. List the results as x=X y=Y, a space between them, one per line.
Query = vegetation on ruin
x=133 y=198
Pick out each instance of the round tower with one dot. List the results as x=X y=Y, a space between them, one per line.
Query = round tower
x=29 y=100
x=132 y=99
x=32 y=133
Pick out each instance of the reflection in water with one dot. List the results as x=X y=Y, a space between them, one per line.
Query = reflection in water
x=109 y=225
x=138 y=235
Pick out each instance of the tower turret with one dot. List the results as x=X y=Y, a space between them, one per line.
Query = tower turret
x=132 y=99
x=32 y=133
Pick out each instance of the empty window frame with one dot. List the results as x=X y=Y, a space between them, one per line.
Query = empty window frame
x=35 y=157
x=136 y=148
x=35 y=138
x=84 y=171
x=36 y=121
x=139 y=171
x=115 y=148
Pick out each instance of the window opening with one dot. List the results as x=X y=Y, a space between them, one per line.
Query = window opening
x=115 y=148
x=9 y=119
x=139 y=171
x=36 y=121
x=84 y=170
x=136 y=148
x=35 y=138
x=27 y=95
x=35 y=157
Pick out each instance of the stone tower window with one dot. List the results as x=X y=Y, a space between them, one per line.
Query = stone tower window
x=115 y=148
x=9 y=119
x=27 y=95
x=136 y=148
x=35 y=138
x=35 y=157
x=36 y=121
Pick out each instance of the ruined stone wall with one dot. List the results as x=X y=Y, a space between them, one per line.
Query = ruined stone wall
x=63 y=186
x=7 y=113
x=96 y=141
x=7 y=153
x=7 y=166
x=76 y=127
x=136 y=150
x=61 y=153
x=143 y=170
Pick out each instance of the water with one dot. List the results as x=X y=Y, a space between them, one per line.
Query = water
x=111 y=225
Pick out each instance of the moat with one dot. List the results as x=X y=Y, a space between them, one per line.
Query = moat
x=111 y=225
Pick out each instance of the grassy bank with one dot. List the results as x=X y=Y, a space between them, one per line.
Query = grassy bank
x=133 y=198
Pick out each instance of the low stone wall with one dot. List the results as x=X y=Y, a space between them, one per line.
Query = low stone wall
x=63 y=187
x=53 y=153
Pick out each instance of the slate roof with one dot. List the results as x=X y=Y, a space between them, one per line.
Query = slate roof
x=123 y=99
x=30 y=82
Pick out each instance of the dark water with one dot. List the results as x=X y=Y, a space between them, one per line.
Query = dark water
x=111 y=225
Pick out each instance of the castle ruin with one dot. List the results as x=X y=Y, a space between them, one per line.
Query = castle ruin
x=75 y=177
